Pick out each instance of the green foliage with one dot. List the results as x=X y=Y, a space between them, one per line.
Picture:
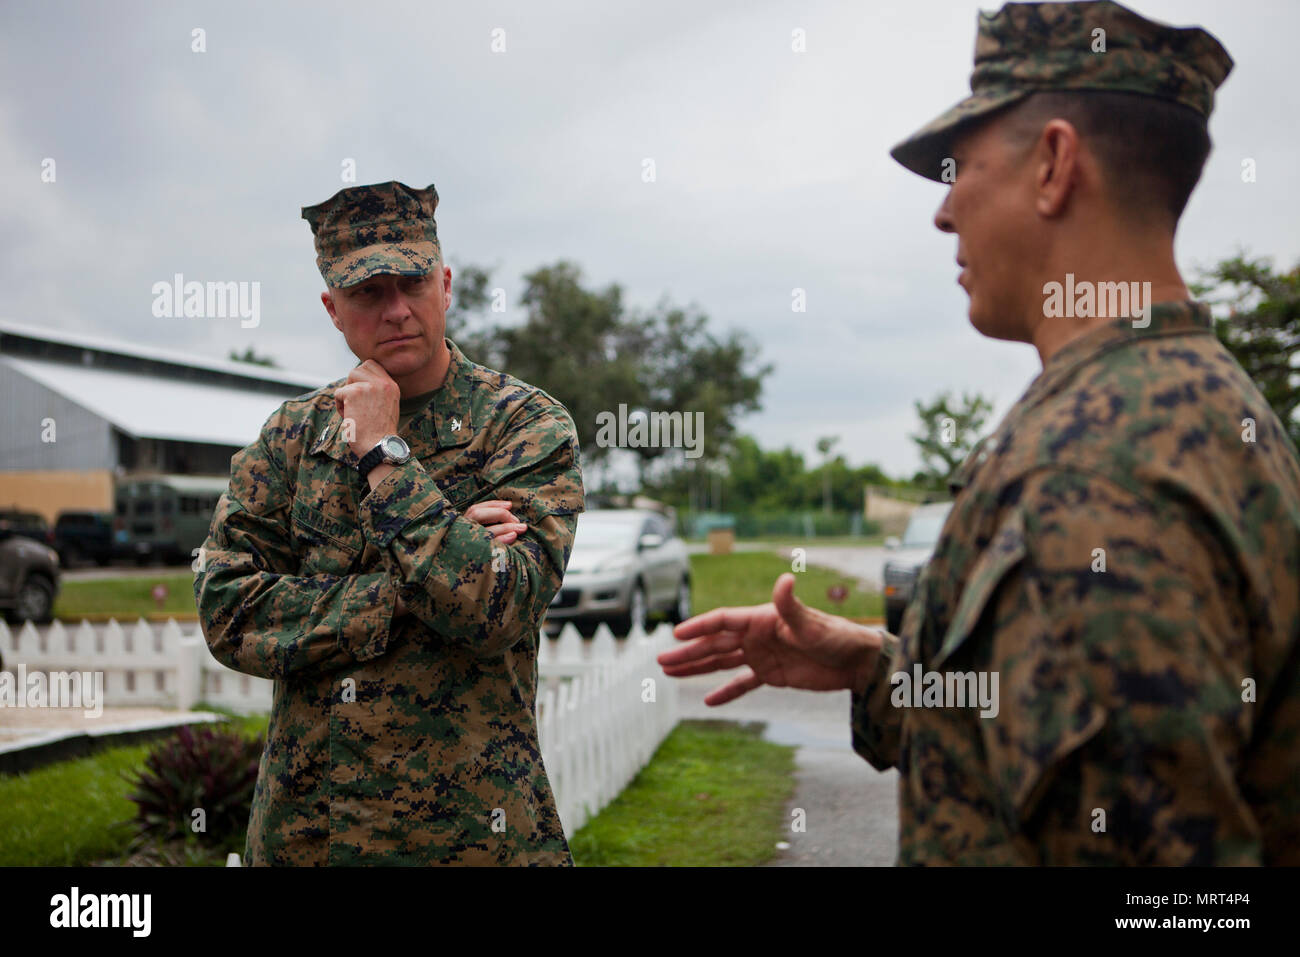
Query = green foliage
x=1262 y=328
x=948 y=433
x=253 y=358
x=210 y=769
x=759 y=481
x=584 y=347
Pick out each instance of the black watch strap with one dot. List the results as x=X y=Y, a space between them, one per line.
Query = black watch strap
x=370 y=460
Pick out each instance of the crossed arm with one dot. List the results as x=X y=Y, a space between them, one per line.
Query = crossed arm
x=470 y=583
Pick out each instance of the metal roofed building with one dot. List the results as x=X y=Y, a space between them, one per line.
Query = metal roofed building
x=79 y=412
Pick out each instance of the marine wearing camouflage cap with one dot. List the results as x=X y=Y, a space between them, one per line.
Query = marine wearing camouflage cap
x=1029 y=47
x=363 y=231
x=1120 y=560
x=396 y=604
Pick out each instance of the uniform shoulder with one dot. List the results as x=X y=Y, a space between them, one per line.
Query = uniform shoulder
x=1166 y=418
x=512 y=398
x=297 y=421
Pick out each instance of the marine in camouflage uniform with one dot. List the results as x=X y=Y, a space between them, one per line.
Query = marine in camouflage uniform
x=1123 y=551
x=396 y=739
x=1121 y=689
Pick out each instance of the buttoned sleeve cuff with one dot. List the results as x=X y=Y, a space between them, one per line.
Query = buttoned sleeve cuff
x=407 y=494
x=877 y=724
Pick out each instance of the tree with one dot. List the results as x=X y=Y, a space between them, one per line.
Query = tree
x=824 y=446
x=251 y=357
x=947 y=435
x=583 y=347
x=1262 y=328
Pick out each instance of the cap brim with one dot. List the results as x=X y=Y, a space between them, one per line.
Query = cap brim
x=925 y=150
x=393 y=259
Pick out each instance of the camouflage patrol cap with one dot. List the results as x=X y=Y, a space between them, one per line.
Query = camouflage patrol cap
x=363 y=231
x=1028 y=47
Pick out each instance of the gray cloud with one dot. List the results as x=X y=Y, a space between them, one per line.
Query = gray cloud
x=772 y=169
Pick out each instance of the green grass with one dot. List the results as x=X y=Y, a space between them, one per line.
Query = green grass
x=713 y=794
x=68 y=814
x=126 y=598
x=802 y=541
x=741 y=578
x=746 y=578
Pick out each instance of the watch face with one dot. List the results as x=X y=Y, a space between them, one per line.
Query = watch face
x=396 y=448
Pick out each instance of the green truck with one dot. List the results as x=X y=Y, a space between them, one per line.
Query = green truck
x=164 y=517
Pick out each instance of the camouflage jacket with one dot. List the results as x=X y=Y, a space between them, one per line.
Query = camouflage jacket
x=407 y=740
x=1124 y=554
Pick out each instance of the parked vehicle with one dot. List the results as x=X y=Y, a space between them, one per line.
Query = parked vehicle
x=626 y=565
x=903 y=568
x=84 y=536
x=164 y=517
x=29 y=569
x=29 y=524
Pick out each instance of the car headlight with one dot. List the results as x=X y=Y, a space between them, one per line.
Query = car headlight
x=616 y=567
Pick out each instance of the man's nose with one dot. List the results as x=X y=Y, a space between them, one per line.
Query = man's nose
x=942 y=217
x=395 y=305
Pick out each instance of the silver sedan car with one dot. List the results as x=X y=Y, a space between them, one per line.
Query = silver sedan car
x=903 y=567
x=626 y=565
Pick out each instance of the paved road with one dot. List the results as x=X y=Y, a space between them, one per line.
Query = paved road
x=851 y=809
x=92 y=572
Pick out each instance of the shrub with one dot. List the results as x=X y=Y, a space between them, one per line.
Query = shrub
x=208 y=769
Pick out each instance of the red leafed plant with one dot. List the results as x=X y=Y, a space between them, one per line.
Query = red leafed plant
x=207 y=769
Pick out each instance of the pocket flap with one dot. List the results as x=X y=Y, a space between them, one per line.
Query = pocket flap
x=1004 y=552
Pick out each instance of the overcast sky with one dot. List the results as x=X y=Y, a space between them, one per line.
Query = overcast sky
x=772 y=172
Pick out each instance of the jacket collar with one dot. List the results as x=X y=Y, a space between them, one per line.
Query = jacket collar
x=446 y=422
x=1166 y=319
x=1184 y=317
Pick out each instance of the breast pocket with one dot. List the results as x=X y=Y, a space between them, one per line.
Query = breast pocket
x=1045 y=709
x=324 y=544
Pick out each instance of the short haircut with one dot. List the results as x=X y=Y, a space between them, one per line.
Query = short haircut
x=1151 y=151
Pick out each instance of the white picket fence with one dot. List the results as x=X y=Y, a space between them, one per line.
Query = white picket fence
x=603 y=705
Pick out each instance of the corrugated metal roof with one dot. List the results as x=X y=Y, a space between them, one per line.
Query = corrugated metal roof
x=156 y=408
x=181 y=483
x=306 y=380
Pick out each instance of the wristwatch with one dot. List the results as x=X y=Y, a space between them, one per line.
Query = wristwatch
x=391 y=448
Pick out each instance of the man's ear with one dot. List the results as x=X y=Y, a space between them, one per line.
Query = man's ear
x=328 y=299
x=446 y=285
x=1056 y=163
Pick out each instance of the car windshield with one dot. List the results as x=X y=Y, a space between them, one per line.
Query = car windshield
x=923 y=529
x=596 y=532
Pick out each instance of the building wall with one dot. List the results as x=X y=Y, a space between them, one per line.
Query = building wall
x=52 y=492
x=82 y=439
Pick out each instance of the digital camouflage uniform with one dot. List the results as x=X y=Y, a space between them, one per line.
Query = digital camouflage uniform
x=1122 y=689
x=408 y=740
x=1123 y=551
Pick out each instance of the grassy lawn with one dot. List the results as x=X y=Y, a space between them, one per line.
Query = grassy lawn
x=71 y=813
x=746 y=578
x=803 y=541
x=741 y=578
x=126 y=598
x=714 y=794
x=67 y=814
